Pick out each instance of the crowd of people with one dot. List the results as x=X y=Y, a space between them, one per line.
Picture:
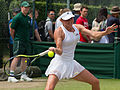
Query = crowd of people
x=70 y=29
x=103 y=19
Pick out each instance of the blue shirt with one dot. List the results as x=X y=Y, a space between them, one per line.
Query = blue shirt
x=110 y=21
x=76 y=17
x=10 y=40
x=36 y=27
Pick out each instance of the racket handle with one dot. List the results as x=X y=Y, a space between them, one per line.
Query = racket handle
x=43 y=53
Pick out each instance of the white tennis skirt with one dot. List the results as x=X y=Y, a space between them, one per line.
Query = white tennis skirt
x=64 y=68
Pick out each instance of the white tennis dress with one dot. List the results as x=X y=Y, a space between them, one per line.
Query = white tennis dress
x=64 y=66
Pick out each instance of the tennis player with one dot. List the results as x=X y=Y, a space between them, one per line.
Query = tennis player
x=63 y=64
x=21 y=40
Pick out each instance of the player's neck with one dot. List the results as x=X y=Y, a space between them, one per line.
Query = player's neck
x=69 y=28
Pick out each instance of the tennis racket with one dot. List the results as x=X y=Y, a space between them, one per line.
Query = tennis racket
x=18 y=73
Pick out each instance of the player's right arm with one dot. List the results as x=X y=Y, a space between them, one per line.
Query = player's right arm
x=58 y=37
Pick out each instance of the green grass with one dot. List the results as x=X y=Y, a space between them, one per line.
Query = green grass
x=105 y=84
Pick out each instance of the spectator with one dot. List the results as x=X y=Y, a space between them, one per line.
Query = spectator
x=20 y=34
x=58 y=22
x=37 y=36
x=83 y=21
x=76 y=10
x=15 y=12
x=114 y=19
x=109 y=15
x=100 y=24
x=49 y=26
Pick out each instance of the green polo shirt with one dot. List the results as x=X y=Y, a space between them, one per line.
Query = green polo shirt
x=21 y=25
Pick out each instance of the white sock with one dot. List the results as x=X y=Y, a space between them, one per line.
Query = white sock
x=11 y=73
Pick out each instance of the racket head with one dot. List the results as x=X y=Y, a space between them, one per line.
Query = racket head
x=17 y=71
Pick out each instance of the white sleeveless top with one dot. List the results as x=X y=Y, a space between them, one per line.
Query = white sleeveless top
x=69 y=44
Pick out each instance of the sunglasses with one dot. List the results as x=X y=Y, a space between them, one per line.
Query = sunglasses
x=52 y=14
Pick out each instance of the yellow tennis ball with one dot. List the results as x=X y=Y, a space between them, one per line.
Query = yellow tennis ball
x=25 y=61
x=50 y=53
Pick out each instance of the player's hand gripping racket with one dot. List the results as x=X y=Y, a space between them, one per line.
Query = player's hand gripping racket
x=35 y=57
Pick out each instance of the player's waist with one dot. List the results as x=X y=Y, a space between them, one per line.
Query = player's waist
x=64 y=57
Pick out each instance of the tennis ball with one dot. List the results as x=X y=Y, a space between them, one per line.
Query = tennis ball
x=50 y=53
x=25 y=61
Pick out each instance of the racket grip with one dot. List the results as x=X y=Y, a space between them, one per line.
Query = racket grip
x=43 y=53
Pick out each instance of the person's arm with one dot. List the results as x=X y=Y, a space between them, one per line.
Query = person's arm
x=14 y=24
x=58 y=37
x=37 y=35
x=12 y=33
x=96 y=35
x=51 y=33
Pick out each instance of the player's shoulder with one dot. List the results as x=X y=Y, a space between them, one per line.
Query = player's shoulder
x=58 y=31
x=78 y=26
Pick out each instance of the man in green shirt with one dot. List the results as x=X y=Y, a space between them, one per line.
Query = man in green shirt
x=20 y=33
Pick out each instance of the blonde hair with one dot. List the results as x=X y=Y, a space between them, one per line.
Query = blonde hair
x=63 y=11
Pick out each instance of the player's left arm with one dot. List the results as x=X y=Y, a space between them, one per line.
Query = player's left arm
x=96 y=35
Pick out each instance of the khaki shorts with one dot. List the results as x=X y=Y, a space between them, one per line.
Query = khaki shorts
x=20 y=47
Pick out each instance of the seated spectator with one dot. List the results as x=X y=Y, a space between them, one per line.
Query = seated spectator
x=49 y=31
x=100 y=24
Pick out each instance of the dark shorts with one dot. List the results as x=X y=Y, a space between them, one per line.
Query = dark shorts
x=11 y=49
x=20 y=47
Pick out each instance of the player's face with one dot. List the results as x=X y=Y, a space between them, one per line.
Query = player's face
x=25 y=10
x=68 y=22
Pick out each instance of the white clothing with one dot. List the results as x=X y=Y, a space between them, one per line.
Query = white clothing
x=104 y=39
x=101 y=25
x=58 y=23
x=64 y=66
x=48 y=26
